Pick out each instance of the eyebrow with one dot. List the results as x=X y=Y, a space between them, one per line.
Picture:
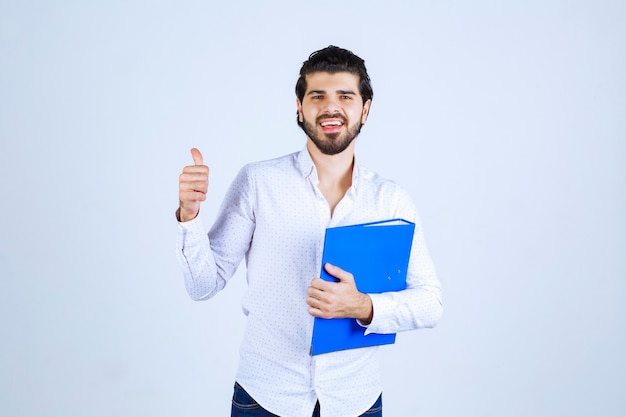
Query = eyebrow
x=341 y=92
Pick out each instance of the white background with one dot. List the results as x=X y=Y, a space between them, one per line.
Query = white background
x=506 y=121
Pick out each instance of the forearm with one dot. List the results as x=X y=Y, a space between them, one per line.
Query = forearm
x=409 y=309
x=197 y=261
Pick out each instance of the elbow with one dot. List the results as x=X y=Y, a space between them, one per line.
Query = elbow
x=195 y=297
x=430 y=316
x=200 y=294
x=200 y=288
x=427 y=317
x=435 y=314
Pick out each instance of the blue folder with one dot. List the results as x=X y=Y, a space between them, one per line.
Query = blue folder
x=377 y=254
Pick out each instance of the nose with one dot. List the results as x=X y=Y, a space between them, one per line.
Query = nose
x=331 y=105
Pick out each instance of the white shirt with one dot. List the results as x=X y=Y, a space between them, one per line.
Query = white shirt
x=275 y=216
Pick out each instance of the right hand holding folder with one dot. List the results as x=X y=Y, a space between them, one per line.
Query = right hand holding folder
x=193 y=184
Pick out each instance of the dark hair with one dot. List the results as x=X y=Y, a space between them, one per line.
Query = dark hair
x=333 y=59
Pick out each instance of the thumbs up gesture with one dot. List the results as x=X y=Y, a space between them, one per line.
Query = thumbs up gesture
x=193 y=184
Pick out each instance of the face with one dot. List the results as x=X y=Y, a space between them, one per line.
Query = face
x=332 y=110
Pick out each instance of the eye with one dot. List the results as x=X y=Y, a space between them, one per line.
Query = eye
x=345 y=97
x=317 y=97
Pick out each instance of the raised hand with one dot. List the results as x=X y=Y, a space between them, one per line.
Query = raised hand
x=193 y=184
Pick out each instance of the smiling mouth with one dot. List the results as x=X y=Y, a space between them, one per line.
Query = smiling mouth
x=331 y=123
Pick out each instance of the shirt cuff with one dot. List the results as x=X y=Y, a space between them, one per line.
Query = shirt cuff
x=382 y=307
x=190 y=232
x=188 y=223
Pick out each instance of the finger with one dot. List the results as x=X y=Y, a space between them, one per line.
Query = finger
x=322 y=312
x=338 y=273
x=190 y=174
x=197 y=156
x=195 y=184
x=321 y=285
x=191 y=195
x=316 y=311
x=313 y=302
x=189 y=177
x=316 y=292
x=196 y=169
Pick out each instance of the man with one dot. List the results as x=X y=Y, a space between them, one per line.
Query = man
x=275 y=215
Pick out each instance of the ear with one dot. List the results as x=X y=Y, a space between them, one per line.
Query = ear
x=299 y=106
x=366 y=111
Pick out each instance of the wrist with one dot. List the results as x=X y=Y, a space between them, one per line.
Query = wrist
x=367 y=310
x=182 y=216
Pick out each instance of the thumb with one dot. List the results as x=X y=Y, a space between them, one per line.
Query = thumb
x=197 y=156
x=338 y=273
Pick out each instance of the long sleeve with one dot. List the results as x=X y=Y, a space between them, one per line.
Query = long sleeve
x=208 y=261
x=420 y=304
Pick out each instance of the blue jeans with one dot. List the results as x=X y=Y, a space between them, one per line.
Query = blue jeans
x=245 y=406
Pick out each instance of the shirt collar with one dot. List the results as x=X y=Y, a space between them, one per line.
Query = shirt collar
x=305 y=163
x=307 y=167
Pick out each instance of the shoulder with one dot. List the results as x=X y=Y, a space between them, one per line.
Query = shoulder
x=262 y=176
x=387 y=193
x=280 y=163
x=271 y=172
x=373 y=180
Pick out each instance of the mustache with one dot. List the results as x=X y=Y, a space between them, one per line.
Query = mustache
x=331 y=116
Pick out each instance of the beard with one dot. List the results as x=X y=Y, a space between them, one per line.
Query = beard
x=331 y=143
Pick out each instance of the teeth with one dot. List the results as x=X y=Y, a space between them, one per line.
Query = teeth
x=331 y=124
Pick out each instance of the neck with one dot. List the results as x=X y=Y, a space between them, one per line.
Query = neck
x=333 y=170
